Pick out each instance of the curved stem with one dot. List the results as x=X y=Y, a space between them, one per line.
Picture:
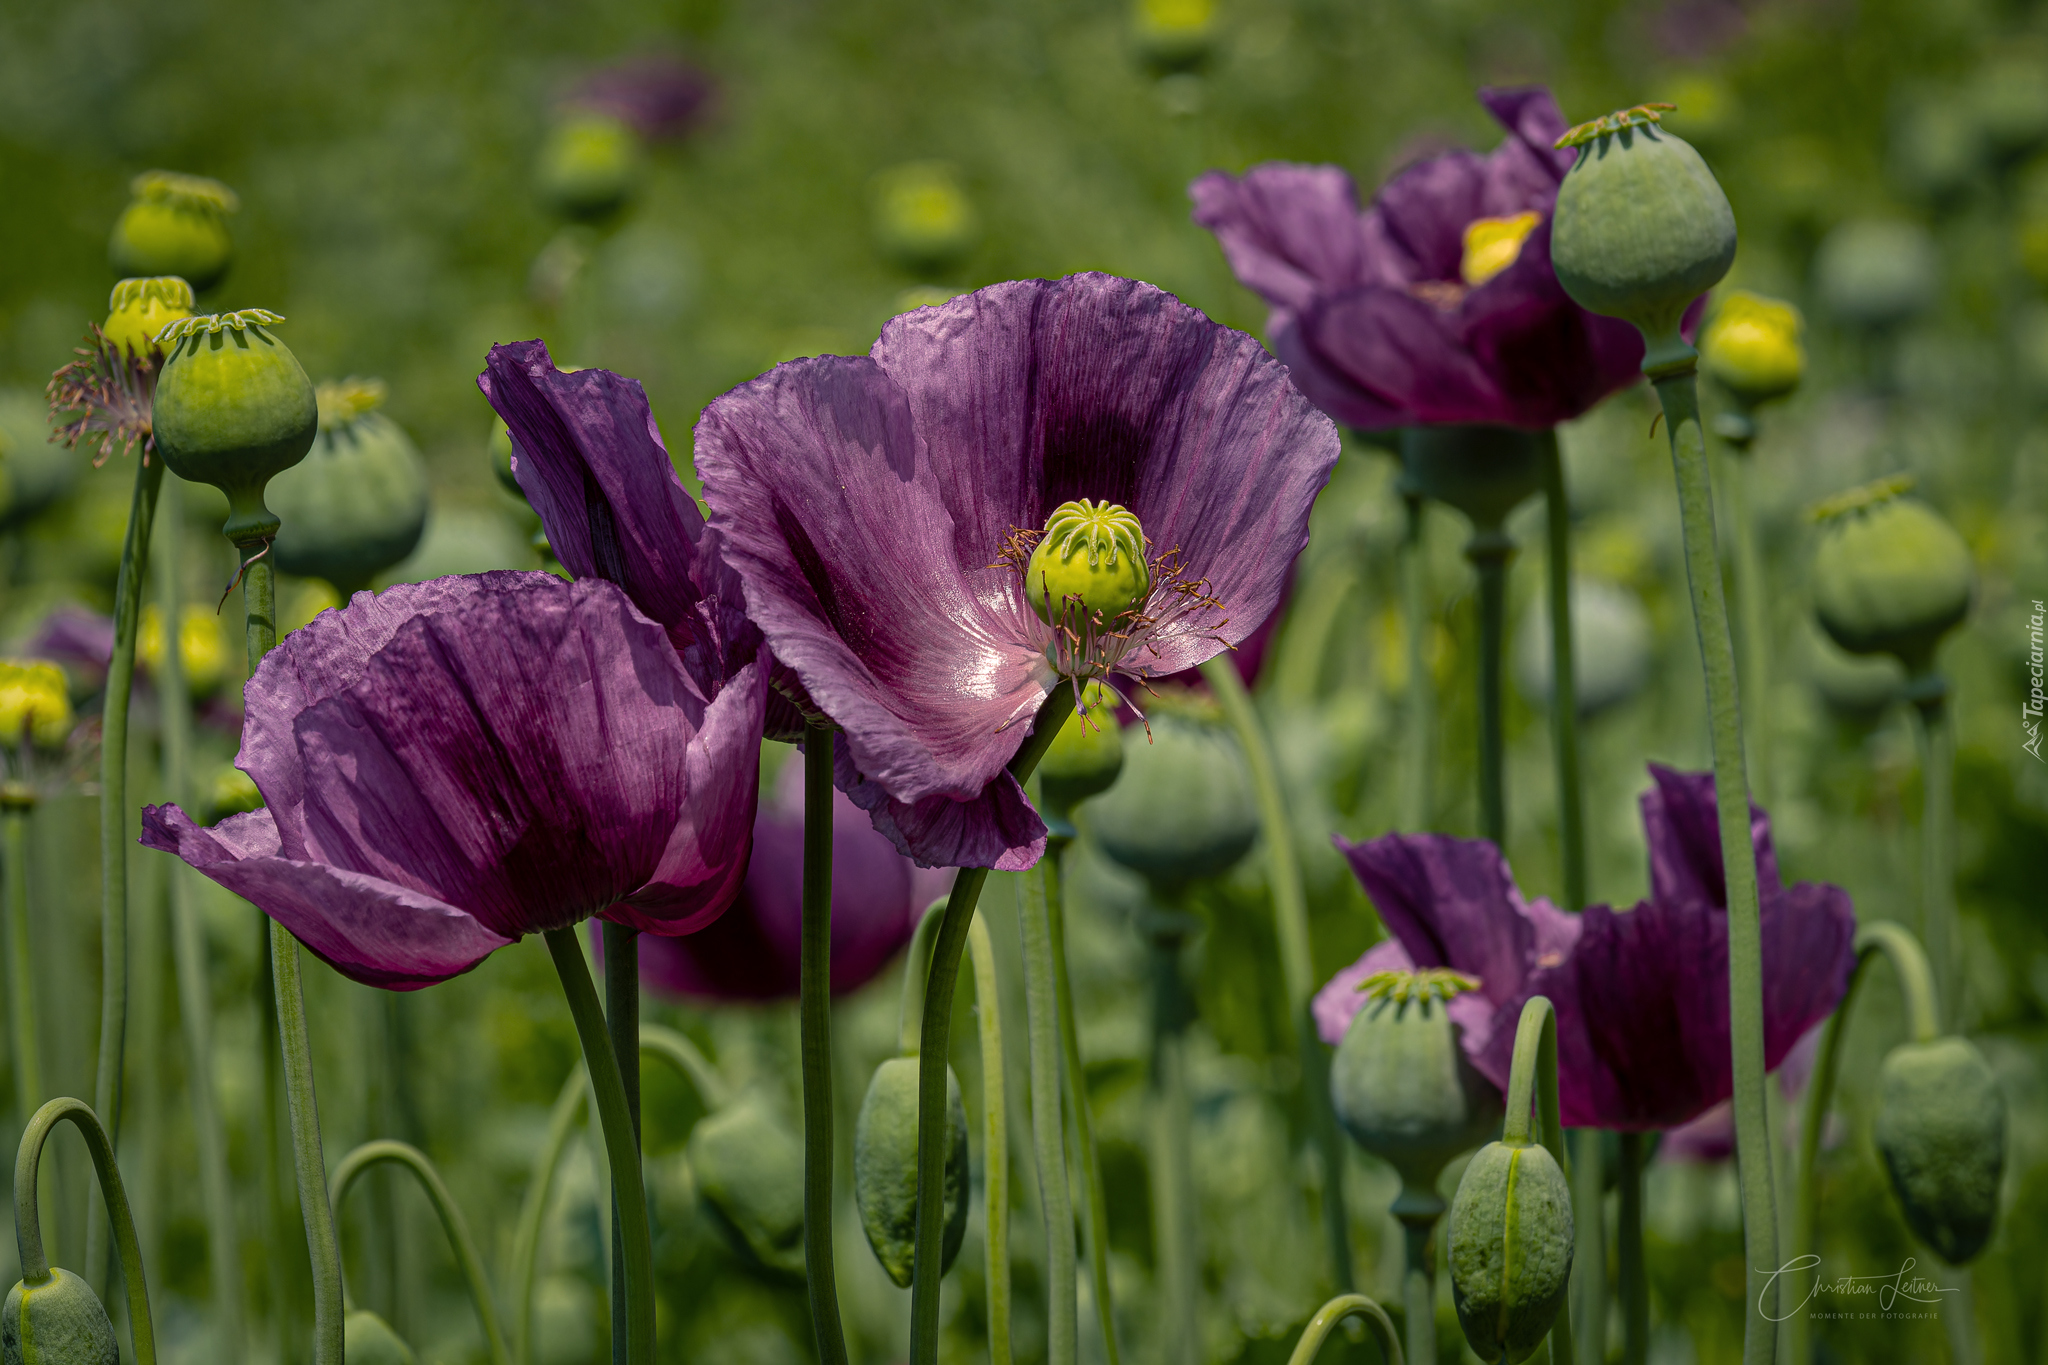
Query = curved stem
x=1635 y=1280
x=28 y=1231
x=815 y=1017
x=917 y=966
x=452 y=1222
x=931 y=1065
x=1680 y=399
x=1937 y=838
x=1489 y=550
x=1532 y=1094
x=1290 y=918
x=21 y=1008
x=1081 y=1124
x=1418 y=797
x=1564 y=683
x=622 y=1022
x=540 y=1186
x=658 y=1040
x=1034 y=889
x=1335 y=1311
x=188 y=952
x=114 y=841
x=995 y=1137
x=621 y=1142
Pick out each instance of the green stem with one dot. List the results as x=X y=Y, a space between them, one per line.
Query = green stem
x=21 y=1007
x=622 y=1022
x=1752 y=652
x=1048 y=1142
x=1589 y=1259
x=933 y=1039
x=1419 y=798
x=285 y=1288
x=1312 y=619
x=1923 y=1015
x=1418 y=1210
x=452 y=1222
x=540 y=1187
x=995 y=1137
x=1290 y=919
x=188 y=951
x=621 y=1141
x=114 y=841
x=28 y=1231
x=1635 y=1282
x=1489 y=550
x=1937 y=838
x=1081 y=1123
x=1564 y=688
x=1174 y=1229
x=1532 y=1094
x=1335 y=1311
x=1680 y=399
x=815 y=1013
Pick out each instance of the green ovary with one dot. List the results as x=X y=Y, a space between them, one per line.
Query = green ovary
x=1090 y=563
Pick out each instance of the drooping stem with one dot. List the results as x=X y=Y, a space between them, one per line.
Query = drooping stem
x=1635 y=1281
x=188 y=951
x=1937 y=837
x=1418 y=797
x=995 y=1138
x=621 y=1142
x=1677 y=393
x=21 y=993
x=1564 y=689
x=1335 y=1311
x=622 y=1022
x=1290 y=918
x=1753 y=644
x=815 y=1016
x=540 y=1187
x=1532 y=1101
x=28 y=1229
x=1174 y=1231
x=657 y=1040
x=114 y=840
x=1923 y=1016
x=933 y=1039
x=1081 y=1123
x=1048 y=1138
x=452 y=1222
x=1589 y=1258
x=1489 y=550
x=1418 y=1209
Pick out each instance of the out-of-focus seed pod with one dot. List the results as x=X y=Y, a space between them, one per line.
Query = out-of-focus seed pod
x=1483 y=471
x=1182 y=809
x=368 y=1340
x=922 y=215
x=1941 y=1128
x=35 y=700
x=139 y=309
x=1087 y=754
x=1889 y=574
x=589 y=165
x=1876 y=273
x=1611 y=640
x=1751 y=347
x=35 y=472
x=749 y=1168
x=885 y=1168
x=1511 y=1249
x=1174 y=35
x=175 y=225
x=357 y=503
x=1400 y=1083
x=202 y=650
x=58 y=1322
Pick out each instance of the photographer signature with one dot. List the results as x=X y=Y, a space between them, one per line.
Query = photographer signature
x=1888 y=1289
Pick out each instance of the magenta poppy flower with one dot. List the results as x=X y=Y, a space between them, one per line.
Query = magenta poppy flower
x=449 y=765
x=1435 y=305
x=873 y=506
x=750 y=952
x=1641 y=995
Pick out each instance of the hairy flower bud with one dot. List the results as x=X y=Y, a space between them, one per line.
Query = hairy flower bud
x=1941 y=1127
x=1889 y=574
x=58 y=1322
x=368 y=1340
x=357 y=503
x=749 y=1169
x=589 y=165
x=233 y=408
x=1642 y=228
x=36 y=699
x=1751 y=346
x=1182 y=810
x=1511 y=1248
x=141 y=308
x=1400 y=1083
x=885 y=1167
x=175 y=225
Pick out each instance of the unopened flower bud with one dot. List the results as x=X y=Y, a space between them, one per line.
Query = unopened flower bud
x=1400 y=1083
x=141 y=308
x=922 y=215
x=1182 y=810
x=357 y=503
x=1089 y=566
x=1941 y=1127
x=233 y=408
x=35 y=699
x=1889 y=574
x=1877 y=273
x=58 y=1322
x=1642 y=228
x=1751 y=345
x=368 y=1340
x=749 y=1168
x=885 y=1168
x=1087 y=754
x=1511 y=1248
x=175 y=225
x=202 y=650
x=589 y=165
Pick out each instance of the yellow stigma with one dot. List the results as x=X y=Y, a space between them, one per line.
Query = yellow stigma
x=1752 y=346
x=139 y=309
x=1494 y=244
x=1090 y=564
x=343 y=401
x=34 y=697
x=202 y=652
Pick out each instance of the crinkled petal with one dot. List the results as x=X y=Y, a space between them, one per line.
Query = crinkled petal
x=1409 y=353
x=1331 y=388
x=1426 y=208
x=1684 y=835
x=1289 y=231
x=1525 y=170
x=369 y=930
x=997 y=828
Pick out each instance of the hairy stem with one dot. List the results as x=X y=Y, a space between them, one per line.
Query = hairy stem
x=1419 y=1210
x=1055 y=1203
x=1753 y=645
x=21 y=995
x=1937 y=840
x=995 y=1138
x=1489 y=551
x=1081 y=1123
x=28 y=1233
x=815 y=1014
x=1564 y=683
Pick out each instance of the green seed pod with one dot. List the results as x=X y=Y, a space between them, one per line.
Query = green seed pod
x=1856 y=688
x=35 y=472
x=589 y=166
x=1483 y=471
x=357 y=503
x=1511 y=1249
x=1889 y=574
x=1642 y=228
x=139 y=309
x=2008 y=104
x=750 y=1175
x=234 y=409
x=1087 y=754
x=176 y=225
x=1751 y=346
x=1877 y=273
x=1174 y=35
x=885 y=1168
x=1400 y=1083
x=922 y=216
x=57 y=1322
x=1182 y=810
x=1611 y=644
x=1941 y=1127
x=368 y=1340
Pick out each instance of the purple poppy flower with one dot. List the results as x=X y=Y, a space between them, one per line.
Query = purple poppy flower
x=873 y=506
x=1641 y=995
x=750 y=952
x=449 y=765
x=1437 y=304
